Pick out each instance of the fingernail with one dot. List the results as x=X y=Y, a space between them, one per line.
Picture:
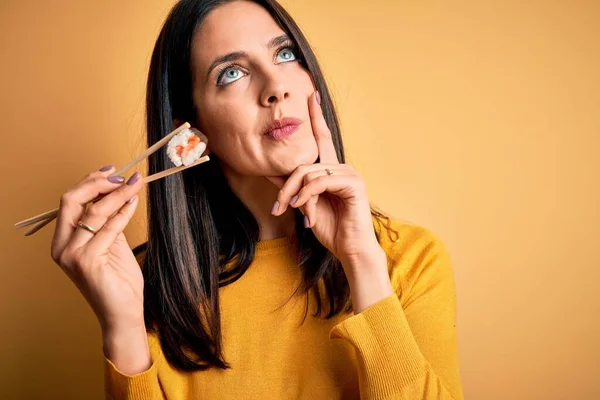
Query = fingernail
x=318 y=96
x=131 y=200
x=275 y=207
x=108 y=167
x=133 y=179
x=116 y=179
x=293 y=200
x=306 y=222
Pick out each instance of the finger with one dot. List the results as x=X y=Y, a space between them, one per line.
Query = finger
x=311 y=211
x=296 y=181
x=102 y=241
x=99 y=213
x=343 y=186
x=327 y=153
x=73 y=203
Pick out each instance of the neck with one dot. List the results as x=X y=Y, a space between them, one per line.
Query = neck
x=259 y=195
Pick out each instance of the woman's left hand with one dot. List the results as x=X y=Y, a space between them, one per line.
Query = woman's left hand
x=333 y=199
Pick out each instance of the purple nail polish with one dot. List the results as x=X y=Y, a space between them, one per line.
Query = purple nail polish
x=108 y=167
x=293 y=200
x=275 y=207
x=306 y=222
x=116 y=179
x=318 y=95
x=133 y=179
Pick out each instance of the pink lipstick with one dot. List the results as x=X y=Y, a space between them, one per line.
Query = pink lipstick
x=280 y=129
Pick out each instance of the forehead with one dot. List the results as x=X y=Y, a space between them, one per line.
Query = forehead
x=236 y=26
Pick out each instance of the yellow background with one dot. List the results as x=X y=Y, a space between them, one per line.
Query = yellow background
x=479 y=120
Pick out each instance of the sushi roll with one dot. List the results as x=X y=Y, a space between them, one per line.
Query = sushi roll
x=186 y=147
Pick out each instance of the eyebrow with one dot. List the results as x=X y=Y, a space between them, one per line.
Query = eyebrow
x=236 y=55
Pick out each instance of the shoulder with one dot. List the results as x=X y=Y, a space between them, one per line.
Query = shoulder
x=405 y=242
x=417 y=257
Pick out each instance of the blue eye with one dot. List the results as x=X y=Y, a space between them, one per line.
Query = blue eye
x=288 y=54
x=234 y=72
x=229 y=75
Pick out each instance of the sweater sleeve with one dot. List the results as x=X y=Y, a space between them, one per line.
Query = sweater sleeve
x=406 y=343
x=143 y=386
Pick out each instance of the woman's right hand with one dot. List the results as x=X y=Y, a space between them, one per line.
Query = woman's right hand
x=102 y=265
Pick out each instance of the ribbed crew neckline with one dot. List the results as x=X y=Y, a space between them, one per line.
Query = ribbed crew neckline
x=272 y=246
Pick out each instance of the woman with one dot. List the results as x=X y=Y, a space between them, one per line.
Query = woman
x=240 y=250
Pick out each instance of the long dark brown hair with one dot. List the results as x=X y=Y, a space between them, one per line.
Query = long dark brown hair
x=200 y=235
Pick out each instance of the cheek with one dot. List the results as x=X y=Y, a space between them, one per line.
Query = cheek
x=302 y=81
x=221 y=123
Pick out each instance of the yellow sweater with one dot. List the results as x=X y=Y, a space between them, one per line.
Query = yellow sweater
x=403 y=347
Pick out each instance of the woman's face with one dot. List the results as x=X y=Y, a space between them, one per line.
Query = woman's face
x=238 y=98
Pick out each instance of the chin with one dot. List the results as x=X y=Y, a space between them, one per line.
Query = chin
x=295 y=160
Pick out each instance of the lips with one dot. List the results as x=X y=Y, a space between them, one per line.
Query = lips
x=282 y=128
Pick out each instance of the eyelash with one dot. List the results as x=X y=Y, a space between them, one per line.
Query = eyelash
x=287 y=45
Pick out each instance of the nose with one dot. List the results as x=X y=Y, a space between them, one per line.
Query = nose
x=275 y=91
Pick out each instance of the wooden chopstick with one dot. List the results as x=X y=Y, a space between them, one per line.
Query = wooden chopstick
x=39 y=226
x=174 y=170
x=152 y=149
x=47 y=217
x=146 y=179
x=120 y=171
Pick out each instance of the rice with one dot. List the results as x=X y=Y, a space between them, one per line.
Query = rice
x=186 y=147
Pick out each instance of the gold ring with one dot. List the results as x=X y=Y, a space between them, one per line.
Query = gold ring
x=86 y=227
x=329 y=172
